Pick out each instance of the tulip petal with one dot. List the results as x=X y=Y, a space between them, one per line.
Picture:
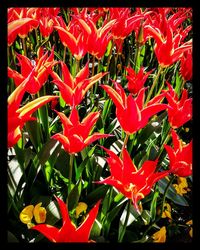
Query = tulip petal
x=50 y=232
x=83 y=231
x=116 y=98
x=32 y=106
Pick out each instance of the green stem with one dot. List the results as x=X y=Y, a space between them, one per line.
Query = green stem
x=24 y=46
x=71 y=161
x=36 y=36
x=182 y=86
x=77 y=66
x=93 y=62
x=154 y=84
x=162 y=208
x=124 y=144
x=64 y=53
x=163 y=81
x=137 y=53
x=168 y=136
x=109 y=57
x=121 y=236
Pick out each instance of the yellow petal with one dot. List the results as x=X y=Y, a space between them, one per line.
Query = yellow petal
x=39 y=213
x=82 y=207
x=191 y=233
x=26 y=214
x=189 y=222
x=167 y=211
x=160 y=236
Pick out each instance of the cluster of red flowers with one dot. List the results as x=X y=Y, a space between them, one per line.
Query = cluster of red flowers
x=81 y=36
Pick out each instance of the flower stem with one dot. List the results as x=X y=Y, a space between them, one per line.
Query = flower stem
x=154 y=84
x=109 y=57
x=70 y=172
x=64 y=53
x=162 y=208
x=93 y=62
x=24 y=46
x=124 y=144
x=77 y=66
x=121 y=235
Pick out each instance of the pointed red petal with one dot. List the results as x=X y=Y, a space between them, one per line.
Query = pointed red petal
x=116 y=98
x=48 y=231
x=32 y=106
x=83 y=231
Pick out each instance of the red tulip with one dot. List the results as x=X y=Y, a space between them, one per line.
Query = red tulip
x=20 y=27
x=130 y=111
x=136 y=81
x=69 y=232
x=126 y=22
x=168 y=47
x=179 y=111
x=75 y=135
x=186 y=65
x=97 y=39
x=40 y=66
x=180 y=156
x=73 y=38
x=133 y=183
x=48 y=18
x=72 y=89
x=17 y=117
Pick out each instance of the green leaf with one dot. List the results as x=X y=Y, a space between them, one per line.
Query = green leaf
x=11 y=237
x=81 y=167
x=153 y=208
x=47 y=150
x=97 y=194
x=108 y=48
x=73 y=198
x=32 y=127
x=171 y=194
x=146 y=216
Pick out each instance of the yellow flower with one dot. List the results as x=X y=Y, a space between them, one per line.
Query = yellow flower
x=26 y=214
x=167 y=211
x=182 y=186
x=160 y=236
x=39 y=213
x=191 y=229
x=82 y=207
x=29 y=211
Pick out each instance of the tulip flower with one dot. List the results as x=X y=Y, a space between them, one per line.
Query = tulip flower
x=72 y=89
x=40 y=65
x=168 y=48
x=186 y=65
x=47 y=18
x=69 y=232
x=17 y=116
x=133 y=183
x=75 y=135
x=125 y=24
x=130 y=111
x=180 y=156
x=97 y=39
x=136 y=81
x=179 y=111
x=74 y=38
x=20 y=27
